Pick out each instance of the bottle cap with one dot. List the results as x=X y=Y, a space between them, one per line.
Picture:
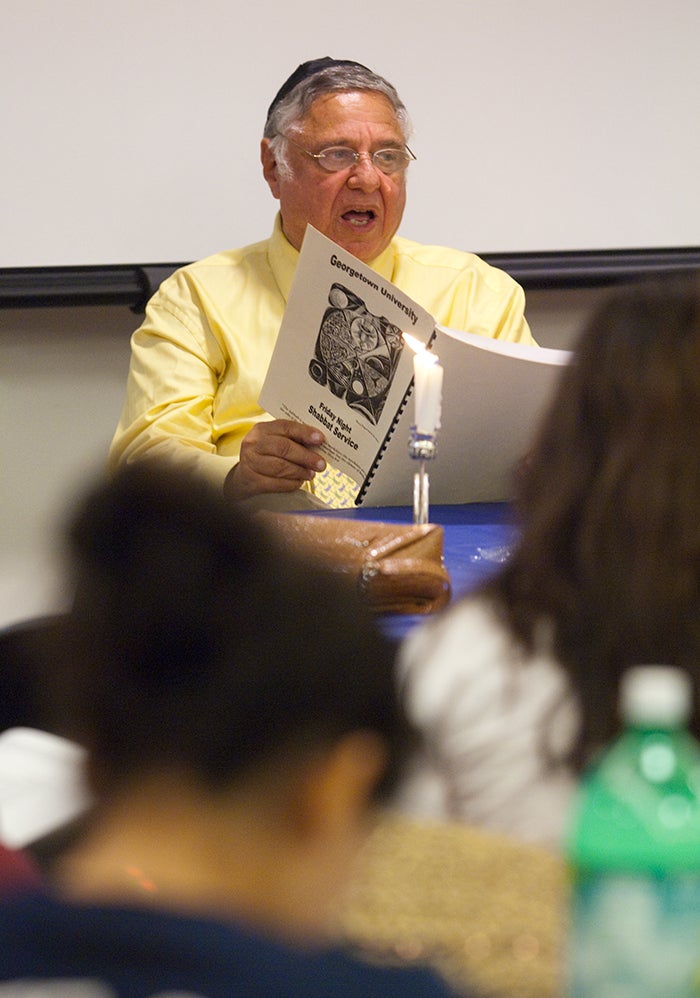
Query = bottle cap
x=656 y=694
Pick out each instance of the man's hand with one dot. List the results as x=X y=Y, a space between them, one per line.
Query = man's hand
x=276 y=456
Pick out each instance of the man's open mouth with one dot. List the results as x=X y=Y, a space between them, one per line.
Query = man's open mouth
x=356 y=217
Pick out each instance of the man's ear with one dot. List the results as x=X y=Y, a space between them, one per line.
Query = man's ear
x=337 y=791
x=269 y=165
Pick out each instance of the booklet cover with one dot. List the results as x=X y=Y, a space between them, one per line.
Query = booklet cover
x=341 y=363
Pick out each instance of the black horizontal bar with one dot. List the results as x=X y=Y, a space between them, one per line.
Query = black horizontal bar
x=133 y=285
x=124 y=284
x=593 y=268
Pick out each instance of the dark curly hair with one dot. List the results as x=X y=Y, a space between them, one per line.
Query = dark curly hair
x=196 y=641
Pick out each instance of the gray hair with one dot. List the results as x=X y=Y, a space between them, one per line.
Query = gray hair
x=289 y=112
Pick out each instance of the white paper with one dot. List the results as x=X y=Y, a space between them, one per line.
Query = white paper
x=493 y=396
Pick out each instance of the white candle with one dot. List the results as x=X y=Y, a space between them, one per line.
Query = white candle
x=427 y=377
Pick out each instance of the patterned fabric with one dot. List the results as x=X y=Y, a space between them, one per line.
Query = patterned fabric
x=333 y=487
x=486 y=709
x=484 y=909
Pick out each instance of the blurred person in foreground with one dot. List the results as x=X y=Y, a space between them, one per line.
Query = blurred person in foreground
x=335 y=155
x=242 y=725
x=515 y=687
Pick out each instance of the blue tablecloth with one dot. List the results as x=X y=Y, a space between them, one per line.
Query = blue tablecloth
x=478 y=538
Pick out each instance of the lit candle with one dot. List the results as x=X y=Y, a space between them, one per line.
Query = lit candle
x=427 y=377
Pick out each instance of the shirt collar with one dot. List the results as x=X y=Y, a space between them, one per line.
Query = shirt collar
x=284 y=258
x=384 y=263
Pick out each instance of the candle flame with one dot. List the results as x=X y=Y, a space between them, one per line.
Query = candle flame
x=416 y=345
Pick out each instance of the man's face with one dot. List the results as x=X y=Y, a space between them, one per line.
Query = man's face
x=359 y=208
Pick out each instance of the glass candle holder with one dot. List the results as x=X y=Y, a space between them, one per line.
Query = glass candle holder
x=422 y=448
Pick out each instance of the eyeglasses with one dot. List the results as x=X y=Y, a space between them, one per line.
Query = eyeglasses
x=336 y=158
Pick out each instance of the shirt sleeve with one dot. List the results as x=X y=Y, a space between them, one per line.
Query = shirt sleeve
x=176 y=366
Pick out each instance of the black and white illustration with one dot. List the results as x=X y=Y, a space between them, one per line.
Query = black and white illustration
x=356 y=353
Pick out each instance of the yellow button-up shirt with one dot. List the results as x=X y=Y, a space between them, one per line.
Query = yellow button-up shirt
x=199 y=359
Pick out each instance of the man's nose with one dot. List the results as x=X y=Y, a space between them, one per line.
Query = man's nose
x=364 y=174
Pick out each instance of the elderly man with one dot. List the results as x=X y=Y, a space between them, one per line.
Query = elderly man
x=335 y=155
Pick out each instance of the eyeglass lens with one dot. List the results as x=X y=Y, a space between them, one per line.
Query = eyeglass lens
x=341 y=157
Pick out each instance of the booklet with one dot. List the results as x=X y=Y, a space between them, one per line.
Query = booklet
x=341 y=363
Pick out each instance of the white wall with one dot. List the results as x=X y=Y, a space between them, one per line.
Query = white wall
x=62 y=377
x=130 y=129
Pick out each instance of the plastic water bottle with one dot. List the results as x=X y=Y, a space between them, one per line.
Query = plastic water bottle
x=634 y=850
